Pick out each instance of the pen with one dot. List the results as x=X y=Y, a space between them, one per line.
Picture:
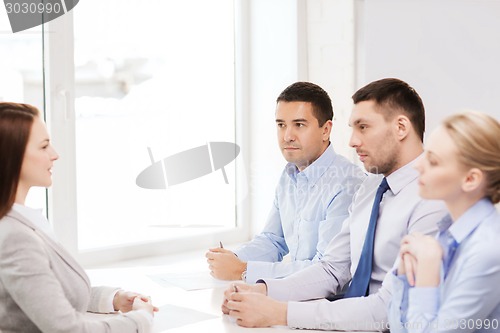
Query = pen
x=221 y=246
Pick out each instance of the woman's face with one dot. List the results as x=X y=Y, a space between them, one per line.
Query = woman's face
x=441 y=174
x=38 y=159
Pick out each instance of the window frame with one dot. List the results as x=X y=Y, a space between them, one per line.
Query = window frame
x=60 y=112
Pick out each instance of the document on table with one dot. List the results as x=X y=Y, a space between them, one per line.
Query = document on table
x=188 y=281
x=172 y=316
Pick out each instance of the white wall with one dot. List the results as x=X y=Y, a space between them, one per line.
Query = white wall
x=331 y=61
x=295 y=40
x=448 y=50
x=274 y=59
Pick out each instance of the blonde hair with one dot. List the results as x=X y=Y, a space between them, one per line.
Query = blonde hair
x=477 y=137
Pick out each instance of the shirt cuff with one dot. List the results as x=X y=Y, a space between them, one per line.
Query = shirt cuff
x=143 y=319
x=400 y=286
x=424 y=300
x=301 y=315
x=106 y=305
x=258 y=270
x=276 y=289
x=241 y=254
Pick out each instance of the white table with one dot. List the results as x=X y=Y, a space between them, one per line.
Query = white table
x=180 y=307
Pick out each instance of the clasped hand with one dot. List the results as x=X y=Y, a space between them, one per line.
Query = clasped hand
x=420 y=260
x=126 y=301
x=250 y=306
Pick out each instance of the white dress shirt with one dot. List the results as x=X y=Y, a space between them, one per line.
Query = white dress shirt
x=401 y=211
x=308 y=211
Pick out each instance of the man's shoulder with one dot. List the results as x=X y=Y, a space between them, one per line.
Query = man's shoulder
x=342 y=168
x=371 y=182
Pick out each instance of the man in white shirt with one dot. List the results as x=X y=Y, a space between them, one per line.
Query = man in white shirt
x=388 y=122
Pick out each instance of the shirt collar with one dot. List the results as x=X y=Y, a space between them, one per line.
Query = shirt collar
x=36 y=217
x=402 y=176
x=445 y=223
x=314 y=171
x=469 y=221
x=27 y=212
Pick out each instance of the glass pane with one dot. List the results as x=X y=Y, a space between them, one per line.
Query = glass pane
x=154 y=84
x=21 y=77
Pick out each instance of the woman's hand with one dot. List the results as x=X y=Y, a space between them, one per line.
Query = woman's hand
x=125 y=301
x=144 y=303
x=421 y=257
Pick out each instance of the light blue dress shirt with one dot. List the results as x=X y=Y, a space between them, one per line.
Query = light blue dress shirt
x=308 y=211
x=468 y=296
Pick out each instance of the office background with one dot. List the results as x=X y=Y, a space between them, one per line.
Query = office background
x=447 y=50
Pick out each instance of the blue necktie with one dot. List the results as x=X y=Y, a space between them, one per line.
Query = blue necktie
x=361 y=279
x=450 y=246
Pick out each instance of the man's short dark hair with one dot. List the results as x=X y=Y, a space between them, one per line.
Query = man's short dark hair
x=312 y=93
x=393 y=97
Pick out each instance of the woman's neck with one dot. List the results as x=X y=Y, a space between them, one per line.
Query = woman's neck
x=460 y=205
x=21 y=194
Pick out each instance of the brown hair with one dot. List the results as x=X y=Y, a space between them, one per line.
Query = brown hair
x=394 y=96
x=477 y=137
x=15 y=128
x=312 y=93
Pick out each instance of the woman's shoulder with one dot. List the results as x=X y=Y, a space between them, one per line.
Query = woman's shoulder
x=490 y=226
x=15 y=221
x=15 y=232
x=484 y=241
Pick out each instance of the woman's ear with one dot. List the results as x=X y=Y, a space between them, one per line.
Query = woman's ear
x=473 y=180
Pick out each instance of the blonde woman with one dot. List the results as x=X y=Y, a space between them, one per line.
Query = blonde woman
x=451 y=283
x=42 y=288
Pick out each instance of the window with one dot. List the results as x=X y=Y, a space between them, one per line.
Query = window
x=21 y=79
x=152 y=80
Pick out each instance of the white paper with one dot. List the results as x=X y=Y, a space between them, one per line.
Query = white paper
x=172 y=316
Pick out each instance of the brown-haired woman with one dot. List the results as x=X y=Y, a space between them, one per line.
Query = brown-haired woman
x=42 y=287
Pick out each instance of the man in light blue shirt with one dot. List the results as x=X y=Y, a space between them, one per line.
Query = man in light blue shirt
x=311 y=199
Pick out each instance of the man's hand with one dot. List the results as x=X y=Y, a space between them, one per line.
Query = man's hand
x=251 y=309
x=224 y=264
x=259 y=288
